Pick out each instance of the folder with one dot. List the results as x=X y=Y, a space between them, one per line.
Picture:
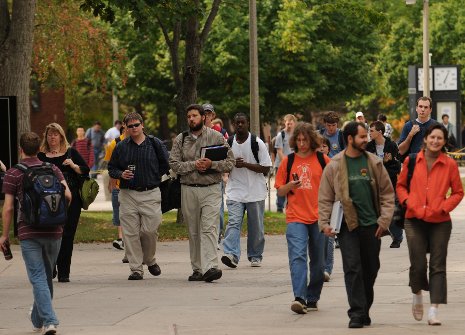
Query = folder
x=214 y=152
x=336 y=217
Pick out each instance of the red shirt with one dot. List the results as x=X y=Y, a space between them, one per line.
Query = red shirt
x=85 y=149
x=428 y=199
x=12 y=184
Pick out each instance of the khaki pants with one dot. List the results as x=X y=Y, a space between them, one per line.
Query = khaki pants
x=201 y=210
x=140 y=217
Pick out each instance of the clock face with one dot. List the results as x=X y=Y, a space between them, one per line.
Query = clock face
x=420 y=79
x=445 y=79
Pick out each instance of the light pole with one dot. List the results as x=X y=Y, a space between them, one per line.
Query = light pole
x=426 y=88
x=253 y=54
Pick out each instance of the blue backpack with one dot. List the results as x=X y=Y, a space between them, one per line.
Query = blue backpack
x=44 y=202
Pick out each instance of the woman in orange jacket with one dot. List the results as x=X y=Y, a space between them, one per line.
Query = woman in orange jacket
x=427 y=220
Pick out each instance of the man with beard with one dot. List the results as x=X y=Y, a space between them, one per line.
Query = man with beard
x=200 y=191
x=360 y=181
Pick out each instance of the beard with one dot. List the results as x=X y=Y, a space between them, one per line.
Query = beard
x=361 y=148
x=196 y=127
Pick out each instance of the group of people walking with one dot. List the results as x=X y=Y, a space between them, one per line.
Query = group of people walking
x=309 y=180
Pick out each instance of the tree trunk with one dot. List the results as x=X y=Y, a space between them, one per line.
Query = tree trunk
x=15 y=57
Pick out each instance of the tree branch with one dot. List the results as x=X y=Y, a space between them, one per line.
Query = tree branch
x=165 y=31
x=208 y=24
x=173 y=47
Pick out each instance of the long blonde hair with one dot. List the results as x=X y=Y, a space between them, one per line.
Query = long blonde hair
x=64 y=145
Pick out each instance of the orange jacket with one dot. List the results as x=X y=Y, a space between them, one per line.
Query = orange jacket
x=428 y=199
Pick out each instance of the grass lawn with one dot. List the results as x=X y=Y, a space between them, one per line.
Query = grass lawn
x=97 y=227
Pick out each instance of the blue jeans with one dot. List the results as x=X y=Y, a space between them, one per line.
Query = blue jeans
x=329 y=255
x=303 y=238
x=280 y=202
x=397 y=232
x=255 y=229
x=97 y=152
x=40 y=256
x=115 y=205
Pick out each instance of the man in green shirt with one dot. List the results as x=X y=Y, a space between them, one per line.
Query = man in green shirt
x=360 y=181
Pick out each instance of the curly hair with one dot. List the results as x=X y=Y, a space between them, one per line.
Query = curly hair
x=307 y=130
x=331 y=117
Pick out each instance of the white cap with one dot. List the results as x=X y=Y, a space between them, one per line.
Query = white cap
x=358 y=114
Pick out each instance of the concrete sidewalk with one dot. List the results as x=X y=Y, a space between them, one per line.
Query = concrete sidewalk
x=100 y=300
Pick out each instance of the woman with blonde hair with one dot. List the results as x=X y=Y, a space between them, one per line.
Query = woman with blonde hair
x=55 y=149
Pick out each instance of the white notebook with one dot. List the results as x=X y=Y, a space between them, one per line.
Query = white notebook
x=336 y=217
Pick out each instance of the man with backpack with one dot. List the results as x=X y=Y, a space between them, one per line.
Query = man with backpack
x=246 y=191
x=40 y=227
x=139 y=161
x=282 y=150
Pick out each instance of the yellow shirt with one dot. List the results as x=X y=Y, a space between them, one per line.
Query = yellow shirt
x=109 y=152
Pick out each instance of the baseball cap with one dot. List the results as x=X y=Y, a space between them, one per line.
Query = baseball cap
x=208 y=107
x=358 y=114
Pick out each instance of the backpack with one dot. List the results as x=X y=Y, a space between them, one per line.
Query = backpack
x=290 y=161
x=399 y=211
x=44 y=202
x=253 y=145
x=88 y=188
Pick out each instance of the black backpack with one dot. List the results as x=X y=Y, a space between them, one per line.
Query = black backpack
x=44 y=202
x=253 y=145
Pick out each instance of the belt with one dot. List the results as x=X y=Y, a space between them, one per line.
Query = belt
x=142 y=189
x=200 y=185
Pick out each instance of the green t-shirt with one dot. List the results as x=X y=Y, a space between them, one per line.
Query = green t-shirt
x=360 y=190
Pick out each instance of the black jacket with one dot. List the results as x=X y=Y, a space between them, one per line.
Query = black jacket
x=390 y=160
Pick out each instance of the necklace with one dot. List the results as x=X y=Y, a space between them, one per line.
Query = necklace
x=54 y=152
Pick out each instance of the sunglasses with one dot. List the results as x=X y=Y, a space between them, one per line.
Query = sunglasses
x=135 y=125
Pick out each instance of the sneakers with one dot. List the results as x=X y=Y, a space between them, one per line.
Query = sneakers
x=212 y=274
x=50 y=330
x=395 y=244
x=433 y=317
x=327 y=276
x=312 y=306
x=229 y=260
x=255 y=263
x=34 y=328
x=118 y=244
x=299 y=306
x=125 y=259
x=196 y=276
x=154 y=270
x=417 y=307
x=135 y=276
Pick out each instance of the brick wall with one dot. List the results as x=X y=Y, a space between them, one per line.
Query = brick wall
x=52 y=109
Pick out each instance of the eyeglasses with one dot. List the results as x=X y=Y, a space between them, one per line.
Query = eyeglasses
x=135 y=125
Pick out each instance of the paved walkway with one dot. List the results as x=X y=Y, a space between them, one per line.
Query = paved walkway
x=100 y=300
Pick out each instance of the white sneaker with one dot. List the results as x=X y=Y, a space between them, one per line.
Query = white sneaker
x=34 y=328
x=118 y=244
x=50 y=330
x=433 y=317
x=256 y=263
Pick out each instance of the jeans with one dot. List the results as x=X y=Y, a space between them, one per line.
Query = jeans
x=303 y=239
x=329 y=259
x=255 y=229
x=115 y=205
x=360 y=261
x=420 y=235
x=280 y=202
x=95 y=167
x=396 y=231
x=39 y=256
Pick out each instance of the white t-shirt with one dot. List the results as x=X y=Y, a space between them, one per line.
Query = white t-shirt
x=243 y=184
x=111 y=134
